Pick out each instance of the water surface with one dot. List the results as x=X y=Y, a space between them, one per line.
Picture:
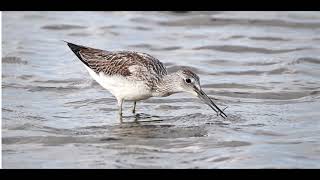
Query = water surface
x=265 y=66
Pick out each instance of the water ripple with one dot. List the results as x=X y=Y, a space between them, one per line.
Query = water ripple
x=220 y=21
x=268 y=38
x=13 y=60
x=245 y=49
x=62 y=27
x=263 y=65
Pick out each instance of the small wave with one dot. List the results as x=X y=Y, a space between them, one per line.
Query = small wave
x=62 y=27
x=169 y=107
x=25 y=126
x=281 y=71
x=194 y=21
x=268 y=39
x=175 y=68
x=224 y=62
x=58 y=85
x=249 y=72
x=108 y=109
x=108 y=33
x=246 y=49
x=151 y=47
x=141 y=28
x=81 y=103
x=306 y=60
x=180 y=12
x=164 y=100
x=81 y=34
x=110 y=27
x=62 y=117
x=35 y=88
x=261 y=63
x=267 y=133
x=282 y=95
x=234 y=86
x=52 y=89
x=50 y=140
x=234 y=37
x=170 y=48
x=13 y=60
x=148 y=46
x=7 y=110
x=233 y=144
x=196 y=36
x=141 y=20
x=39 y=118
x=220 y=21
x=168 y=64
x=26 y=77
x=277 y=71
x=64 y=81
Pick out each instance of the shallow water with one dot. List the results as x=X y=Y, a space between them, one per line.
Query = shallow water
x=265 y=66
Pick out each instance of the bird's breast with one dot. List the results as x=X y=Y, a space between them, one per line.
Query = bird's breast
x=122 y=87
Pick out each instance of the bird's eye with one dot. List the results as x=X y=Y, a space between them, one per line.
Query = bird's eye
x=188 y=80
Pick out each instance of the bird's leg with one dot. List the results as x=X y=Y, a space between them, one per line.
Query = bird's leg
x=120 y=102
x=134 y=107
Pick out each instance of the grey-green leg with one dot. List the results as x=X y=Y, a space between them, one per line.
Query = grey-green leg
x=120 y=102
x=134 y=107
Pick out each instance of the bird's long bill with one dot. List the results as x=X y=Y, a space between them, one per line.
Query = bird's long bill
x=208 y=101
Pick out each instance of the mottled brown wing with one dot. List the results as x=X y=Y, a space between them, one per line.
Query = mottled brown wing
x=119 y=63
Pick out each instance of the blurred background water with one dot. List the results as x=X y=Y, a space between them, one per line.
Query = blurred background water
x=265 y=66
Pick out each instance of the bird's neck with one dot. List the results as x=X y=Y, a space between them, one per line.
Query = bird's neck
x=167 y=85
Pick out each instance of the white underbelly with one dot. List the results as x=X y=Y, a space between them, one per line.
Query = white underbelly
x=121 y=87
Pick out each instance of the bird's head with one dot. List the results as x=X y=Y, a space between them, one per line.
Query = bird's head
x=188 y=81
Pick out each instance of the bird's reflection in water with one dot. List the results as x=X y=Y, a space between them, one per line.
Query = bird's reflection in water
x=147 y=126
x=141 y=125
x=144 y=118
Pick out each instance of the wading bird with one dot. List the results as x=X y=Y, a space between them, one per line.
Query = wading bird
x=136 y=76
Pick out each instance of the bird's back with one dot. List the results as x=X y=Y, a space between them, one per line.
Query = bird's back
x=129 y=64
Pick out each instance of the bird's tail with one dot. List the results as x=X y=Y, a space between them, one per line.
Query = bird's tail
x=76 y=50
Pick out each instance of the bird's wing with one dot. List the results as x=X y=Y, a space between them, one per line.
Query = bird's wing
x=139 y=66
